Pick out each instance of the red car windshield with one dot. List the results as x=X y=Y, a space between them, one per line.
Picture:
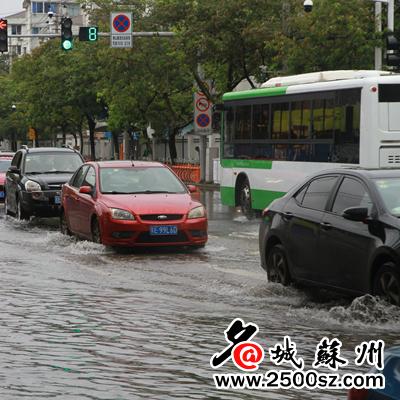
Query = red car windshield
x=4 y=164
x=137 y=180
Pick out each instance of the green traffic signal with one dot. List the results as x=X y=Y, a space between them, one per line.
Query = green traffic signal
x=66 y=34
x=67 y=45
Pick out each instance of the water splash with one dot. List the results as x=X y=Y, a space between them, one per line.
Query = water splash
x=367 y=310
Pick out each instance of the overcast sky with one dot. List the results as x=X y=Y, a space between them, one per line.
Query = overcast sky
x=8 y=7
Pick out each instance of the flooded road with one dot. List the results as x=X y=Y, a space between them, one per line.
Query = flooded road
x=80 y=321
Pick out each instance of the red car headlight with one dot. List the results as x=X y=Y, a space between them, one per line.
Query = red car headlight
x=197 y=212
x=117 y=213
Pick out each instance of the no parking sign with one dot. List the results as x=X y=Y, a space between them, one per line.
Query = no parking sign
x=121 y=29
x=202 y=114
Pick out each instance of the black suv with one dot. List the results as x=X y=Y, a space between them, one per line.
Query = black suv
x=34 y=180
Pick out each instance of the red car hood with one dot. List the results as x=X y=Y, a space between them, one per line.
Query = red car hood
x=2 y=178
x=151 y=203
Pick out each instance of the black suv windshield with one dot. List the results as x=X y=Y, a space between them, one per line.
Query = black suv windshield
x=42 y=163
x=138 y=180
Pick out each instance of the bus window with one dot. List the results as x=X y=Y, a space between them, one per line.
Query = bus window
x=261 y=121
x=323 y=117
x=280 y=120
x=229 y=124
x=243 y=123
x=300 y=120
x=347 y=127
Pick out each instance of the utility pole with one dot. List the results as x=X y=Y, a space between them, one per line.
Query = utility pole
x=378 y=28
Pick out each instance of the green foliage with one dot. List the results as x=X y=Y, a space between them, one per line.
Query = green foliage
x=154 y=82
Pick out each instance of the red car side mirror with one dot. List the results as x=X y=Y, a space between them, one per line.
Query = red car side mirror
x=86 y=190
x=192 y=188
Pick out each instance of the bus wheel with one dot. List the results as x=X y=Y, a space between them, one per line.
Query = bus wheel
x=245 y=199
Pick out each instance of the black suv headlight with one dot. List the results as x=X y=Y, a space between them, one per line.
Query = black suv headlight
x=32 y=186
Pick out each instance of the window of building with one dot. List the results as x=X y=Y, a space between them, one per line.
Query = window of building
x=35 y=30
x=50 y=7
x=73 y=10
x=16 y=29
x=37 y=7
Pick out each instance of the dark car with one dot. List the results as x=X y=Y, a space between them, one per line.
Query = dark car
x=391 y=371
x=34 y=180
x=339 y=229
x=132 y=204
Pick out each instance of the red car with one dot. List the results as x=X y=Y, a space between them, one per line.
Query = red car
x=132 y=203
x=5 y=162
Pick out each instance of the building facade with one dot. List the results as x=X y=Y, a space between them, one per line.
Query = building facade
x=41 y=17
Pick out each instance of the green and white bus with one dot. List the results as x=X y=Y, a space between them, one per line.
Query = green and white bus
x=291 y=127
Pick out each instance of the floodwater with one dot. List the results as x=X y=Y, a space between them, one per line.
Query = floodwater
x=80 y=321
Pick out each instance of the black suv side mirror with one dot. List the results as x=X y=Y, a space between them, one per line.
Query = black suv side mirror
x=14 y=170
x=359 y=214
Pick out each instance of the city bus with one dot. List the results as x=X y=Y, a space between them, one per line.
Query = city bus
x=274 y=136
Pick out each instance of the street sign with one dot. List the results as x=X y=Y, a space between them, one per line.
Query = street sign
x=202 y=114
x=121 y=29
x=31 y=133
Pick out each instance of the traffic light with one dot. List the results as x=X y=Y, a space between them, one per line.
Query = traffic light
x=3 y=36
x=392 y=51
x=66 y=34
x=88 y=33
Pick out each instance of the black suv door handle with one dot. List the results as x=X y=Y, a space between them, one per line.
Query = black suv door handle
x=287 y=215
x=325 y=225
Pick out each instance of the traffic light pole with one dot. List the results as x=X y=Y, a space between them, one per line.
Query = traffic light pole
x=378 y=26
x=101 y=34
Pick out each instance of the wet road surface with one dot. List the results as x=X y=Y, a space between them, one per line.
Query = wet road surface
x=80 y=321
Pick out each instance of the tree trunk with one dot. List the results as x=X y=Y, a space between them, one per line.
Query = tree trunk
x=92 y=125
x=75 y=139
x=172 y=145
x=116 y=144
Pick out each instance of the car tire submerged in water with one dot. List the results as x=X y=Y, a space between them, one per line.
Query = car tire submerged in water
x=387 y=283
x=96 y=234
x=21 y=215
x=64 y=224
x=245 y=199
x=277 y=266
x=6 y=209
